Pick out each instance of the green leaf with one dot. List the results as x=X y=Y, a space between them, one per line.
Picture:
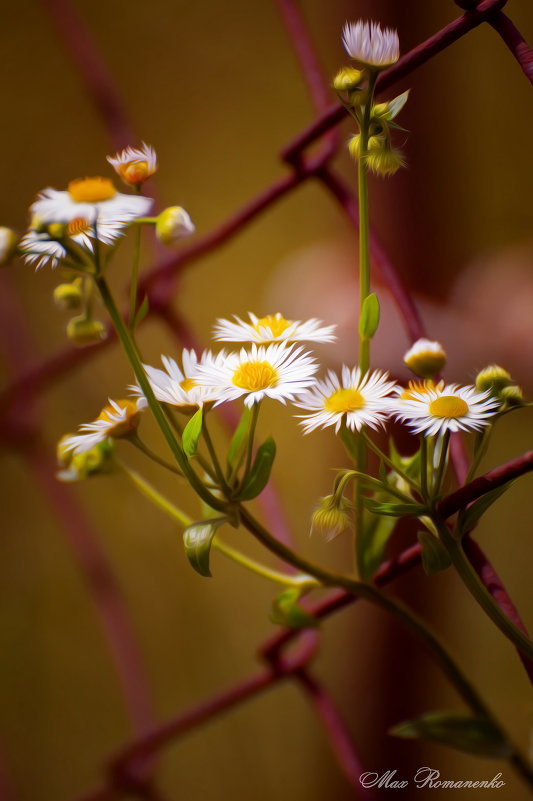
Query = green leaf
x=238 y=441
x=142 y=311
x=409 y=464
x=372 y=542
x=287 y=612
x=471 y=515
x=395 y=509
x=435 y=557
x=475 y=735
x=260 y=473
x=191 y=434
x=396 y=105
x=369 y=319
x=197 y=540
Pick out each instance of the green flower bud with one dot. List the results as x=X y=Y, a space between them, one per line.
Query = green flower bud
x=173 y=224
x=493 y=379
x=512 y=395
x=69 y=296
x=82 y=331
x=331 y=517
x=79 y=466
x=347 y=79
x=8 y=245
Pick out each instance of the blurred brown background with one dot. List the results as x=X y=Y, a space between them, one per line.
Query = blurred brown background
x=215 y=88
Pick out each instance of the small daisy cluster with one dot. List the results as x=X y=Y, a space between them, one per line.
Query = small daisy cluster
x=373 y=49
x=67 y=223
x=272 y=364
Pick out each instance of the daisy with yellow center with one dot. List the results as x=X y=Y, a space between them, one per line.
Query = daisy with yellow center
x=355 y=399
x=177 y=386
x=90 y=199
x=272 y=328
x=134 y=164
x=274 y=372
x=368 y=44
x=445 y=407
x=41 y=249
x=117 y=419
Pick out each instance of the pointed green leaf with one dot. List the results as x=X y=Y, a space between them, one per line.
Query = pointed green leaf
x=435 y=557
x=396 y=105
x=395 y=509
x=197 y=540
x=260 y=472
x=372 y=541
x=471 y=515
x=409 y=464
x=238 y=441
x=369 y=319
x=287 y=612
x=191 y=434
x=142 y=311
x=475 y=735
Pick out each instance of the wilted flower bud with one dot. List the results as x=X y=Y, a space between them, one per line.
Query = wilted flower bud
x=375 y=144
x=69 y=296
x=83 y=331
x=492 y=379
x=331 y=517
x=385 y=162
x=8 y=245
x=425 y=358
x=134 y=164
x=173 y=224
x=347 y=79
x=512 y=395
x=79 y=466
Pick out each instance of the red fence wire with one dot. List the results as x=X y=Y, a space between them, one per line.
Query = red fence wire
x=132 y=770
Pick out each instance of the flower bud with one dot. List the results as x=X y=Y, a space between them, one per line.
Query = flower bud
x=134 y=164
x=8 y=245
x=83 y=331
x=57 y=230
x=512 y=395
x=425 y=358
x=79 y=466
x=173 y=224
x=330 y=518
x=69 y=296
x=385 y=162
x=374 y=144
x=493 y=379
x=347 y=79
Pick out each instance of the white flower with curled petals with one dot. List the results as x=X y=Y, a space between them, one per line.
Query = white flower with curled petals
x=371 y=45
x=355 y=399
x=276 y=372
x=134 y=164
x=117 y=419
x=435 y=409
x=272 y=328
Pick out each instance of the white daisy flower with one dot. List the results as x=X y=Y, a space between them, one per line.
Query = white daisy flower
x=425 y=357
x=117 y=419
x=275 y=372
x=434 y=410
x=43 y=249
x=40 y=250
x=89 y=199
x=272 y=328
x=358 y=400
x=179 y=387
x=371 y=45
x=134 y=164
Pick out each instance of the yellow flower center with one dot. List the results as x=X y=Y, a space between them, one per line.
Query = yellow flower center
x=187 y=384
x=125 y=426
x=448 y=406
x=78 y=225
x=91 y=190
x=254 y=376
x=344 y=400
x=134 y=172
x=276 y=324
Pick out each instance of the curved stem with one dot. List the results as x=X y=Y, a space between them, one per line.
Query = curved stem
x=214 y=458
x=154 y=495
x=135 y=440
x=287 y=580
x=155 y=406
x=371 y=593
x=478 y=590
x=383 y=456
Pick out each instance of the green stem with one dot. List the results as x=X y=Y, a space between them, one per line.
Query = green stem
x=154 y=495
x=155 y=406
x=364 y=227
x=214 y=458
x=377 y=450
x=285 y=579
x=443 y=462
x=478 y=590
x=135 y=440
x=480 y=452
x=371 y=593
x=135 y=277
x=251 y=437
x=424 y=467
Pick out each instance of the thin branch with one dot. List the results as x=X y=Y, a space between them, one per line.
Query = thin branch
x=515 y=42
